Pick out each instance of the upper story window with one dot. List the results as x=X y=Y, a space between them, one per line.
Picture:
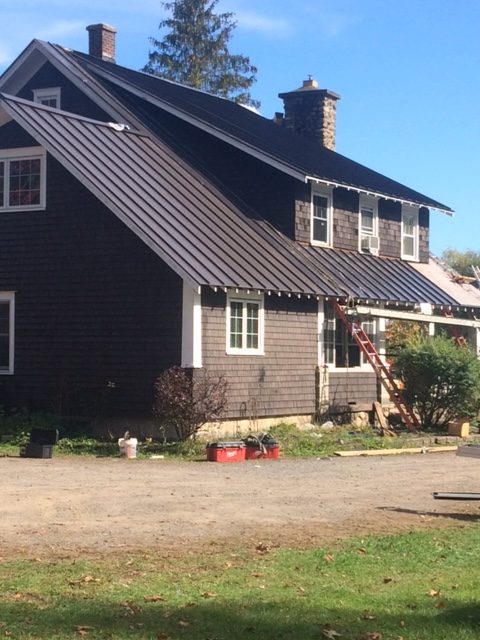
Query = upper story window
x=22 y=178
x=368 y=225
x=245 y=323
x=7 y=315
x=409 y=232
x=49 y=97
x=321 y=225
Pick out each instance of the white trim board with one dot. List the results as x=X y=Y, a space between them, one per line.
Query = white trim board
x=412 y=316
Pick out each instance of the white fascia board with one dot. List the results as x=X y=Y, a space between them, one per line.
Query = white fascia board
x=374 y=194
x=412 y=316
x=191 y=327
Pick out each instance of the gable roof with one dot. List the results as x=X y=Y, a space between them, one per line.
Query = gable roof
x=199 y=233
x=254 y=134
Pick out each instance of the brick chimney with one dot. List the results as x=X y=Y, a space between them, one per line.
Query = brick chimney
x=311 y=112
x=101 y=41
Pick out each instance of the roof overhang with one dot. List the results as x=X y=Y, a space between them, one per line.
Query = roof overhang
x=375 y=194
x=414 y=315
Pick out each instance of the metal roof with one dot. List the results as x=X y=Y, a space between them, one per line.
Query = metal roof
x=201 y=235
x=255 y=134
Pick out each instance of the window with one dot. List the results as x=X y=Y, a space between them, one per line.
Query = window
x=7 y=304
x=321 y=216
x=409 y=232
x=48 y=97
x=340 y=348
x=368 y=225
x=244 y=325
x=22 y=178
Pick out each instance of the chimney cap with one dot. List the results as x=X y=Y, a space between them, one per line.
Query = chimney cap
x=101 y=26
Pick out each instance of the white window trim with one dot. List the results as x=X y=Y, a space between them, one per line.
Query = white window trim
x=24 y=153
x=191 y=327
x=48 y=93
x=326 y=192
x=372 y=203
x=9 y=296
x=409 y=210
x=244 y=298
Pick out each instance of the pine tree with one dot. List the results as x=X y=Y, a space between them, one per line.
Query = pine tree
x=194 y=51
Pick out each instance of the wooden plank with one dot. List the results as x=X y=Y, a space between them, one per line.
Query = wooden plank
x=393 y=452
x=382 y=419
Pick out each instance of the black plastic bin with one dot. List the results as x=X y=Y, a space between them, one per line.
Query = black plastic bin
x=41 y=444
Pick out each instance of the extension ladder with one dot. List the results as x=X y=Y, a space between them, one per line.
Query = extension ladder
x=453 y=331
x=366 y=346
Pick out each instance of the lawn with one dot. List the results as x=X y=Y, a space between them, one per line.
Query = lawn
x=412 y=586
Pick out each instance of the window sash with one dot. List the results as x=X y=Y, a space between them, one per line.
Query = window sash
x=245 y=319
x=22 y=180
x=321 y=217
x=410 y=234
x=367 y=221
x=6 y=332
x=339 y=347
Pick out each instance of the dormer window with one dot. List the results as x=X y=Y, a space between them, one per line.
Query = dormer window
x=368 y=225
x=48 y=97
x=409 y=232
x=321 y=218
x=22 y=179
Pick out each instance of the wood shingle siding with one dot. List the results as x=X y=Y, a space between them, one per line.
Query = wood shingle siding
x=279 y=383
x=85 y=315
x=348 y=387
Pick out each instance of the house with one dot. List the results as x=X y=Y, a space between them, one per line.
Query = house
x=144 y=224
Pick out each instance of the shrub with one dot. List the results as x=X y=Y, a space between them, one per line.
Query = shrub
x=185 y=401
x=442 y=381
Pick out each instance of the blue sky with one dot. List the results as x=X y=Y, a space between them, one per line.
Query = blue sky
x=407 y=72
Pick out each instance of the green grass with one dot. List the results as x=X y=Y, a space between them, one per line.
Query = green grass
x=413 y=586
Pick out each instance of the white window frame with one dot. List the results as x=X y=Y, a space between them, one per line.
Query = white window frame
x=410 y=210
x=9 y=296
x=329 y=321
x=327 y=193
x=24 y=153
x=244 y=300
x=367 y=202
x=49 y=93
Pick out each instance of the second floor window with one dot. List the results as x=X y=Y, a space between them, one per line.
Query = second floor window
x=321 y=223
x=409 y=232
x=22 y=179
x=48 y=97
x=368 y=225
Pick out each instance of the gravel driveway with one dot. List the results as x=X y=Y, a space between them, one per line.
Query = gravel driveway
x=79 y=505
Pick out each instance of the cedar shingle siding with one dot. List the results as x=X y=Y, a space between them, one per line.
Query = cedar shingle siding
x=85 y=316
x=281 y=382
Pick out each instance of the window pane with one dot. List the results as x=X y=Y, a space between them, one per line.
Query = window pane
x=236 y=325
x=252 y=325
x=24 y=182
x=320 y=218
x=4 y=335
x=409 y=225
x=49 y=102
x=2 y=183
x=408 y=246
x=367 y=221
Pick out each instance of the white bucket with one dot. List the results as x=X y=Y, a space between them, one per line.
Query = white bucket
x=128 y=448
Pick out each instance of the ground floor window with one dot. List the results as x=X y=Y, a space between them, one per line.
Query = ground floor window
x=6 y=332
x=245 y=321
x=340 y=348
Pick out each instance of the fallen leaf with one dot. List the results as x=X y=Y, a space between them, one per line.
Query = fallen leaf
x=368 y=616
x=402 y=623
x=328 y=557
x=373 y=635
x=440 y=605
x=301 y=589
x=209 y=594
x=262 y=548
x=257 y=575
x=183 y=624
x=362 y=551
x=83 y=630
x=163 y=636
x=433 y=593
x=387 y=580
x=153 y=598
x=328 y=632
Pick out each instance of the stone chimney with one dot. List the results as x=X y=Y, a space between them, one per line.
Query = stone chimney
x=311 y=112
x=101 y=41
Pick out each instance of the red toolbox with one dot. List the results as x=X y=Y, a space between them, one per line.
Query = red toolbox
x=226 y=451
x=263 y=446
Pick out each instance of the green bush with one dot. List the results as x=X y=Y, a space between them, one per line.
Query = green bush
x=442 y=381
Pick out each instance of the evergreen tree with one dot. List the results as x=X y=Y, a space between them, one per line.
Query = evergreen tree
x=194 y=51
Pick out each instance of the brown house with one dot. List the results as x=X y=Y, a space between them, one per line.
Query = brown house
x=144 y=224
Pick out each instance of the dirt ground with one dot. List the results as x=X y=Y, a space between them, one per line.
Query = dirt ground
x=71 y=506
